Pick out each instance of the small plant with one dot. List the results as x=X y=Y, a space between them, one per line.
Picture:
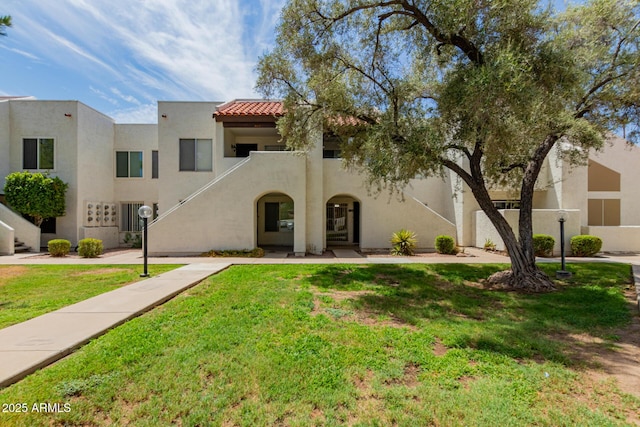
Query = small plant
x=445 y=245
x=133 y=239
x=404 y=242
x=59 y=247
x=489 y=245
x=90 y=248
x=585 y=245
x=543 y=245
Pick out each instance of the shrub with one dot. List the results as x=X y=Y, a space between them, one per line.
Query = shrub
x=90 y=248
x=445 y=245
x=585 y=245
x=241 y=253
x=133 y=239
x=489 y=245
x=59 y=247
x=404 y=242
x=543 y=245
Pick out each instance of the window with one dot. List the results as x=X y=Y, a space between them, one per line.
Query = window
x=506 y=204
x=128 y=164
x=196 y=155
x=603 y=212
x=275 y=148
x=278 y=216
x=37 y=153
x=129 y=219
x=154 y=164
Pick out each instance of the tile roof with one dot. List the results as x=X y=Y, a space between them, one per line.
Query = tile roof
x=250 y=108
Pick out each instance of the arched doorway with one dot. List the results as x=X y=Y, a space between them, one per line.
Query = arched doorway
x=342 y=221
x=275 y=220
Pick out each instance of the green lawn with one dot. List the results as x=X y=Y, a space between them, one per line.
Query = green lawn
x=371 y=345
x=32 y=290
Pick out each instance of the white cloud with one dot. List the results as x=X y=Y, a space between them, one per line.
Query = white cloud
x=21 y=52
x=129 y=98
x=145 y=113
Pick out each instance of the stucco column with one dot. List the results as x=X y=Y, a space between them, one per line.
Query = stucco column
x=314 y=193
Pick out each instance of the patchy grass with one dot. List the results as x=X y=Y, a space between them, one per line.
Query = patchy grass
x=346 y=345
x=31 y=290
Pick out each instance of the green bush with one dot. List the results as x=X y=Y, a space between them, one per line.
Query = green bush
x=59 y=247
x=404 y=242
x=543 y=245
x=585 y=245
x=445 y=245
x=90 y=248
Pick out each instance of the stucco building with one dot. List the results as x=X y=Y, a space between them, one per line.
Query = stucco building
x=218 y=177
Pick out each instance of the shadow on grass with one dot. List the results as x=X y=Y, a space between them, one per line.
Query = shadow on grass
x=449 y=300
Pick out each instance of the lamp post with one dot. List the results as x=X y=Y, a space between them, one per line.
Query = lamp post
x=145 y=213
x=562 y=273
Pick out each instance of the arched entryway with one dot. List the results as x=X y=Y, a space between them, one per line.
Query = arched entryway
x=342 y=220
x=275 y=221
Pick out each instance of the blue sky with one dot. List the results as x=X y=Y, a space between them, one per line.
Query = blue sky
x=122 y=56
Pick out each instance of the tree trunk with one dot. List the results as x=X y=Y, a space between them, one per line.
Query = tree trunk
x=524 y=274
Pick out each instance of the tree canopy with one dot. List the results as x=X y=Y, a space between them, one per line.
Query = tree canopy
x=483 y=88
x=5 y=22
x=35 y=194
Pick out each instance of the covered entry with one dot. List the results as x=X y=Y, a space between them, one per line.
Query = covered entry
x=342 y=221
x=275 y=220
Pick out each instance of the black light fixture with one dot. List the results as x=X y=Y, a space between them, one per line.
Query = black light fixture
x=145 y=213
x=562 y=273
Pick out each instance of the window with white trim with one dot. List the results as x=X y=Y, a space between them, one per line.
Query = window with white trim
x=196 y=155
x=37 y=153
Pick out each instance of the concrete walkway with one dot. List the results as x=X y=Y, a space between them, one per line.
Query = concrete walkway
x=31 y=345
x=36 y=343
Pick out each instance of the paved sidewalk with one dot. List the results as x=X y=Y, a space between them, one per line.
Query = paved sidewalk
x=36 y=343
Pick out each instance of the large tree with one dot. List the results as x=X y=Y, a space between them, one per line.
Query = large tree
x=484 y=88
x=5 y=22
x=35 y=194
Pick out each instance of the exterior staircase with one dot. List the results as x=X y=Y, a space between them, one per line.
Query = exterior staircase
x=19 y=247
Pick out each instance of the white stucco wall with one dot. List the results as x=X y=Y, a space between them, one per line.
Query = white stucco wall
x=623 y=158
x=25 y=231
x=5 y=135
x=625 y=238
x=58 y=120
x=184 y=120
x=545 y=221
x=7 y=235
x=385 y=214
x=224 y=215
x=135 y=137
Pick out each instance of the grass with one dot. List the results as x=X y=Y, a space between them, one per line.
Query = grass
x=337 y=345
x=32 y=290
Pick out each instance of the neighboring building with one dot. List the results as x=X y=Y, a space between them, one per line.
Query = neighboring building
x=218 y=177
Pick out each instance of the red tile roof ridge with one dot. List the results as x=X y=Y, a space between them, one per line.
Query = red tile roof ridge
x=250 y=107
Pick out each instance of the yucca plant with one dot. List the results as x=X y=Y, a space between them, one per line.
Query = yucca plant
x=404 y=242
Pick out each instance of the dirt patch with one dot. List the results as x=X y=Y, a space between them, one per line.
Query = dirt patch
x=10 y=272
x=604 y=359
x=99 y=271
x=409 y=377
x=439 y=349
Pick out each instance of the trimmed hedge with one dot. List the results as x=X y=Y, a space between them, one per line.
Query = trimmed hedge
x=90 y=248
x=445 y=245
x=59 y=247
x=543 y=245
x=585 y=245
